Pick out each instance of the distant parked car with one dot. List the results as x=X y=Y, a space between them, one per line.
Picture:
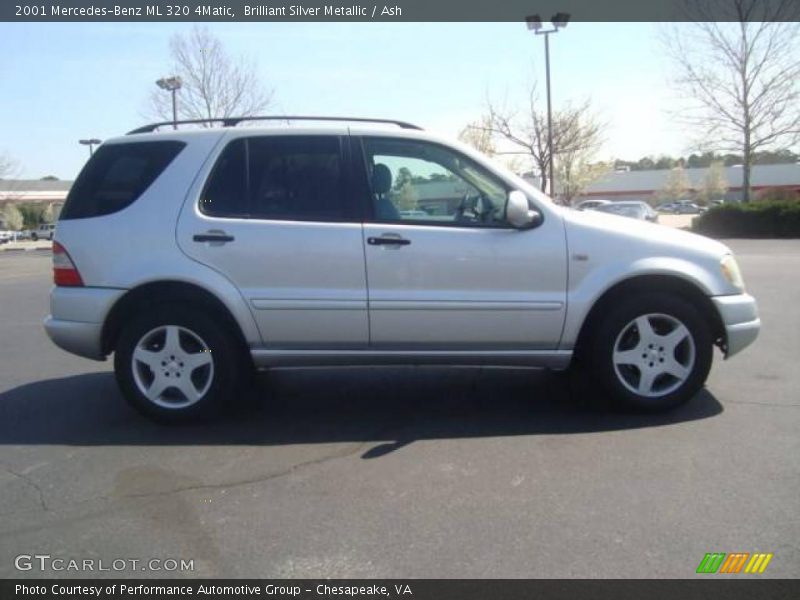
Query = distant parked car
x=633 y=210
x=5 y=236
x=413 y=214
x=590 y=204
x=45 y=231
x=685 y=207
x=667 y=207
x=25 y=234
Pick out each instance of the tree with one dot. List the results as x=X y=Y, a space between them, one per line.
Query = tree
x=31 y=214
x=742 y=77
x=48 y=214
x=12 y=218
x=404 y=189
x=49 y=178
x=715 y=184
x=676 y=186
x=8 y=166
x=574 y=173
x=575 y=130
x=214 y=84
x=478 y=134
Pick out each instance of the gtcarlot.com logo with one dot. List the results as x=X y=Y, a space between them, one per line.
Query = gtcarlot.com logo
x=46 y=562
x=720 y=562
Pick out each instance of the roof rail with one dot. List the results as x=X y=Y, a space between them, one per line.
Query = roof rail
x=234 y=121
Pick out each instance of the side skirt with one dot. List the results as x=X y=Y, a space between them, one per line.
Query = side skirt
x=550 y=359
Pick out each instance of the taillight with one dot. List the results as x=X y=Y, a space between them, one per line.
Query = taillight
x=64 y=271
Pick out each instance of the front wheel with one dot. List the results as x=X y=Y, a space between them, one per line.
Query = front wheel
x=652 y=352
x=177 y=364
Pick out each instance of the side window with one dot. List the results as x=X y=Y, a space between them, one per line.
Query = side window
x=422 y=182
x=296 y=178
x=225 y=194
x=116 y=176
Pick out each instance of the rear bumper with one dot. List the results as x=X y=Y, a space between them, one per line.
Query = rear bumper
x=739 y=315
x=78 y=338
x=77 y=316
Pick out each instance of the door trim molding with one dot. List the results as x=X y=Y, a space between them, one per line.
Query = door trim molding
x=462 y=305
x=308 y=304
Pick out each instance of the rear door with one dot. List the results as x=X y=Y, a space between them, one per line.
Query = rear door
x=445 y=269
x=275 y=216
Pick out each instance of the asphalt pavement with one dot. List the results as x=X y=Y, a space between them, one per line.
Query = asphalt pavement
x=402 y=472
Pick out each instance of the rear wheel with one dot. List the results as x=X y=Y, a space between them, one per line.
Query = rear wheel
x=178 y=364
x=652 y=352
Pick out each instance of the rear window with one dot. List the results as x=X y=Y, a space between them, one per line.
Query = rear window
x=116 y=176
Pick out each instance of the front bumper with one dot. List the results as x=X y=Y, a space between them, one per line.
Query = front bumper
x=739 y=314
x=77 y=316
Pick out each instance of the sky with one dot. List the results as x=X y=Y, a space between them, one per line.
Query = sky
x=60 y=82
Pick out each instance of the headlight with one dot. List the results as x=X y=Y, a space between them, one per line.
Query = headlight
x=731 y=272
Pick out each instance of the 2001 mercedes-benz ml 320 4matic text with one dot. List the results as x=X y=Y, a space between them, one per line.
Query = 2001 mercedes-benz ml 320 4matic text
x=195 y=256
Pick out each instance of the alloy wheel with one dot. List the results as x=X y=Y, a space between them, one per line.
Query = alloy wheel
x=654 y=355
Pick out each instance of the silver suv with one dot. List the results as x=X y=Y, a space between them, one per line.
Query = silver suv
x=195 y=256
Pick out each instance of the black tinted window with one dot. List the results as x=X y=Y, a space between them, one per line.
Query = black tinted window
x=275 y=177
x=225 y=194
x=116 y=176
x=298 y=177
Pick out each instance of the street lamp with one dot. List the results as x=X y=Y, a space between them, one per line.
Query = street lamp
x=91 y=143
x=171 y=84
x=534 y=22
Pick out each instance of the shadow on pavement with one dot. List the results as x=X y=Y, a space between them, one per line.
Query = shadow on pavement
x=390 y=406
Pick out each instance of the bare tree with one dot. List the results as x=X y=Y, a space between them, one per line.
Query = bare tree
x=214 y=84
x=8 y=166
x=742 y=77
x=478 y=134
x=576 y=132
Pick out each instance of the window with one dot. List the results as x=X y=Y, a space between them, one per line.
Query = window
x=116 y=176
x=225 y=194
x=278 y=177
x=422 y=182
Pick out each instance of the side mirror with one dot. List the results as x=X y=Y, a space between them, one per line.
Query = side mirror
x=518 y=213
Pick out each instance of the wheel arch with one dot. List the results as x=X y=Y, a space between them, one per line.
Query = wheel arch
x=155 y=293
x=669 y=284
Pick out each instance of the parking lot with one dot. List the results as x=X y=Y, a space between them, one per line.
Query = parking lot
x=403 y=472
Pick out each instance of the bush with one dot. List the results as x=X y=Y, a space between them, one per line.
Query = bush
x=762 y=219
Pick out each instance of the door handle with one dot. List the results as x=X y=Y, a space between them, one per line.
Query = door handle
x=388 y=241
x=213 y=236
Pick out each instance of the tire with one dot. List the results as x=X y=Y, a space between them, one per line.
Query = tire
x=651 y=353
x=187 y=365
x=34 y=237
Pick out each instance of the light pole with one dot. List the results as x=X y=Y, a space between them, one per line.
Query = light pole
x=171 y=84
x=534 y=22
x=91 y=143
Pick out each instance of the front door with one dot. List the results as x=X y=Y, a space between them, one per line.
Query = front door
x=275 y=218
x=445 y=270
